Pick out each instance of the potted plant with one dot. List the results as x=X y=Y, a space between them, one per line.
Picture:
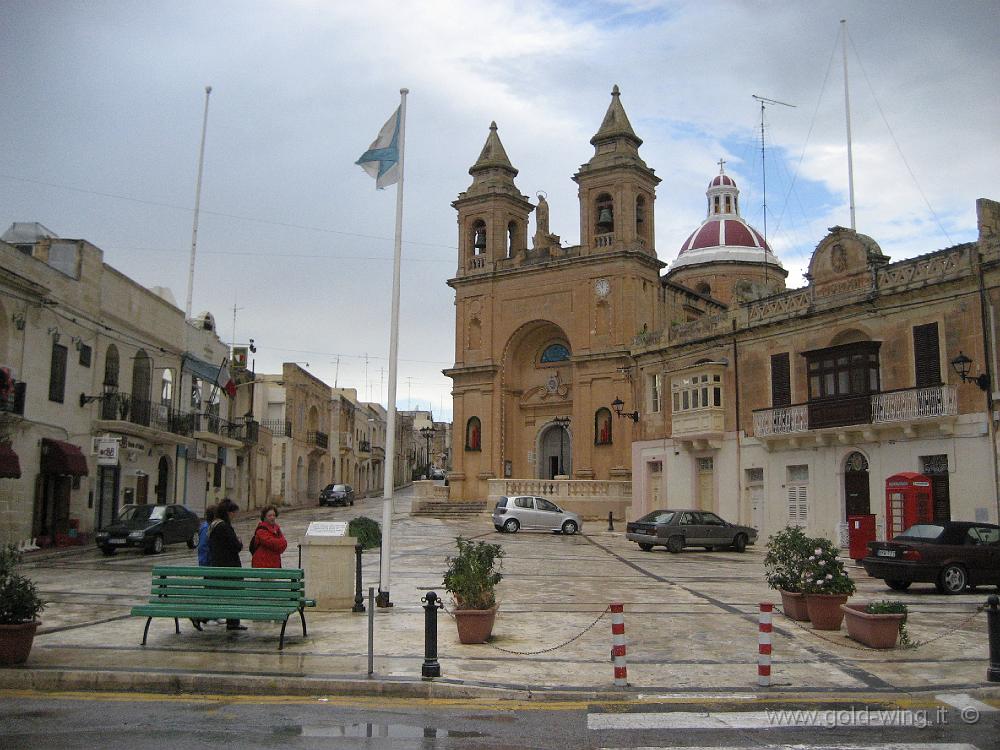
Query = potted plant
x=877 y=624
x=826 y=585
x=787 y=551
x=19 y=609
x=471 y=579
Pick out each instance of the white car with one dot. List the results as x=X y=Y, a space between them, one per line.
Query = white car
x=530 y=512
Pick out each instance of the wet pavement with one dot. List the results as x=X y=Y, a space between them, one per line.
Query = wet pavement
x=690 y=625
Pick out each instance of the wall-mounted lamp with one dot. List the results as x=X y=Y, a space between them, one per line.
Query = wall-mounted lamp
x=18 y=319
x=54 y=333
x=618 y=405
x=109 y=392
x=253 y=349
x=962 y=364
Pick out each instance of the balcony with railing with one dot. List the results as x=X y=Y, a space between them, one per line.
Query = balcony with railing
x=123 y=412
x=904 y=408
x=319 y=439
x=364 y=446
x=245 y=429
x=277 y=427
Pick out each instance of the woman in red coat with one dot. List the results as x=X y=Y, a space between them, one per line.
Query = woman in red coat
x=268 y=541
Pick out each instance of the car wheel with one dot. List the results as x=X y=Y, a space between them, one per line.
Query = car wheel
x=156 y=547
x=193 y=541
x=952 y=580
x=108 y=551
x=898 y=585
x=352 y=503
x=569 y=528
x=740 y=543
x=645 y=547
x=675 y=544
x=511 y=525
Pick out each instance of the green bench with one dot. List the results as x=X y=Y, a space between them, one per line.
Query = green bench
x=205 y=593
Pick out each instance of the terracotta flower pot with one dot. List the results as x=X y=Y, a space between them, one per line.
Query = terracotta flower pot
x=15 y=642
x=824 y=610
x=793 y=604
x=874 y=631
x=474 y=625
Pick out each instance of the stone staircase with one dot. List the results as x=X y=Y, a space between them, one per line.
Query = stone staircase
x=448 y=509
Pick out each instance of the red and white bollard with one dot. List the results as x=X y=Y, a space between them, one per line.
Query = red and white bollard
x=618 y=644
x=764 y=645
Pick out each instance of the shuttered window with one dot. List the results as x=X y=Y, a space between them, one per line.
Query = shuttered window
x=57 y=373
x=781 y=380
x=926 y=356
x=798 y=495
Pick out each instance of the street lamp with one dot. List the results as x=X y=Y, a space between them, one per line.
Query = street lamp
x=962 y=364
x=428 y=433
x=618 y=405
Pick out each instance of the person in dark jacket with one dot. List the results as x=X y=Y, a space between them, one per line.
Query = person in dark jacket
x=268 y=541
x=203 y=557
x=224 y=545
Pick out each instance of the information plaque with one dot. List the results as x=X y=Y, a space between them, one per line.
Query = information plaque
x=327 y=528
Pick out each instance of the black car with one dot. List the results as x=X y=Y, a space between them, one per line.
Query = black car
x=952 y=555
x=149 y=527
x=337 y=494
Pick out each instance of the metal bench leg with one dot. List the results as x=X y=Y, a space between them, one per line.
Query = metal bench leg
x=281 y=640
x=302 y=616
x=177 y=626
x=145 y=632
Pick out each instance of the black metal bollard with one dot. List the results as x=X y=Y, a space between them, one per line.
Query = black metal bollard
x=432 y=603
x=993 y=629
x=611 y=520
x=359 y=602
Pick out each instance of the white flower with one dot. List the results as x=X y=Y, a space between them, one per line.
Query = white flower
x=811 y=557
x=829 y=577
x=819 y=551
x=822 y=562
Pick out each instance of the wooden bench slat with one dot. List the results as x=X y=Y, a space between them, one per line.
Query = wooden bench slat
x=206 y=571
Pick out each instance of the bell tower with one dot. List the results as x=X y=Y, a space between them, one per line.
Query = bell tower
x=617 y=189
x=492 y=213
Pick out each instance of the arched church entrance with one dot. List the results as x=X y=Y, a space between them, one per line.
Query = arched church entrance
x=555 y=451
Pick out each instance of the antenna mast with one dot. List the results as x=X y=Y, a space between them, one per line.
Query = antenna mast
x=847 y=114
x=763 y=172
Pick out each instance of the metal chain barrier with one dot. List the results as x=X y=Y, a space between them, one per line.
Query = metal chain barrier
x=545 y=650
x=910 y=646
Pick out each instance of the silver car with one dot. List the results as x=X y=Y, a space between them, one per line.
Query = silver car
x=530 y=512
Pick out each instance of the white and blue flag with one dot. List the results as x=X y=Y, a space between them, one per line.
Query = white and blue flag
x=381 y=160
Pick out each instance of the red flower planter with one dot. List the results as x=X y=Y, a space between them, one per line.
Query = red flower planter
x=824 y=610
x=793 y=604
x=475 y=625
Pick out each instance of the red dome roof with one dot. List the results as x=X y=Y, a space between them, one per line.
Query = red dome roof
x=722 y=179
x=724 y=232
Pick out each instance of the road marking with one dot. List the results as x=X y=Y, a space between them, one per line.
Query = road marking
x=964 y=700
x=884 y=746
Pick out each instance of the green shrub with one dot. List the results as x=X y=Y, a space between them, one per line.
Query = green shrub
x=473 y=574
x=823 y=572
x=19 y=600
x=892 y=607
x=366 y=531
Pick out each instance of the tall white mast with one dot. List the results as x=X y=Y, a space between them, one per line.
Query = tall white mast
x=390 y=431
x=847 y=113
x=197 y=207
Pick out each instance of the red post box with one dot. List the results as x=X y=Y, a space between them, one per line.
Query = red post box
x=860 y=531
x=907 y=502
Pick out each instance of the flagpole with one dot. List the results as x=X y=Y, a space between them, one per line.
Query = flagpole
x=390 y=435
x=197 y=205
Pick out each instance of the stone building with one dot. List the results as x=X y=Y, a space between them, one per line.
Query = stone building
x=733 y=394
x=109 y=396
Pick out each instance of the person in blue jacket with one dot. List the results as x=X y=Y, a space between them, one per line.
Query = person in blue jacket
x=203 y=558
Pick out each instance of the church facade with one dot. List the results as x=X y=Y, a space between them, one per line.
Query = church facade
x=707 y=383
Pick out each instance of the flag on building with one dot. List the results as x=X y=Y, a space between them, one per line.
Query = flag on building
x=225 y=380
x=381 y=160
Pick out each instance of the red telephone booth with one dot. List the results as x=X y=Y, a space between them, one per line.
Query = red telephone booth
x=907 y=502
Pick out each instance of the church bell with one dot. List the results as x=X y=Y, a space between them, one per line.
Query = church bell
x=480 y=242
x=604 y=219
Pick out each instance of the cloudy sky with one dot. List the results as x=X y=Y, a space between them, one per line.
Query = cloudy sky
x=102 y=108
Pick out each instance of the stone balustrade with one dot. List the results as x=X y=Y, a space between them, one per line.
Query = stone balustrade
x=593 y=499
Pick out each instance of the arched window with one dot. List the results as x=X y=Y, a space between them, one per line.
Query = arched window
x=479 y=237
x=511 y=239
x=555 y=353
x=729 y=204
x=473 y=434
x=715 y=202
x=605 y=212
x=704 y=288
x=602 y=426
x=640 y=216
x=141 y=376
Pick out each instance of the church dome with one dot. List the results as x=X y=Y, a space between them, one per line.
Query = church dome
x=724 y=235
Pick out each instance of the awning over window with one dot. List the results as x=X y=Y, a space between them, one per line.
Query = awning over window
x=10 y=466
x=201 y=368
x=62 y=458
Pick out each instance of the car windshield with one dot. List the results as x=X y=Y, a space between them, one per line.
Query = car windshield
x=922 y=531
x=143 y=513
x=658 y=516
x=340 y=488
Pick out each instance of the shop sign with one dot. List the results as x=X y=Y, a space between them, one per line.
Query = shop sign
x=206 y=451
x=106 y=450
